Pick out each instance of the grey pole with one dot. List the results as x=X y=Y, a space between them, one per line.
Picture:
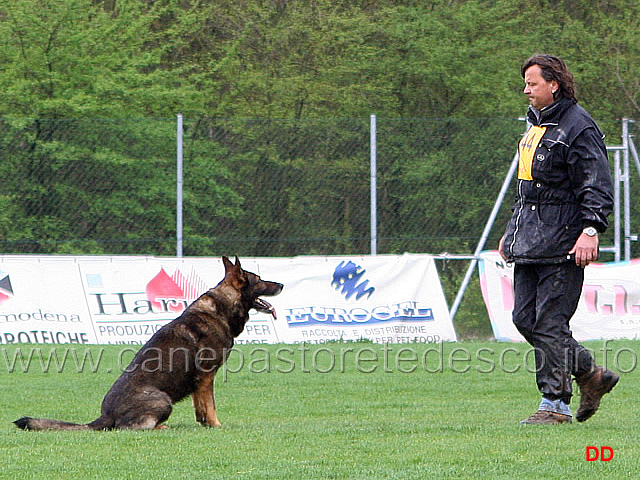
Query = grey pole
x=179 y=175
x=374 y=185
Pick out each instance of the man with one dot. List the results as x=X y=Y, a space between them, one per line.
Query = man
x=563 y=200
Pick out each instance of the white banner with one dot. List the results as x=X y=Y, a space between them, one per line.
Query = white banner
x=42 y=301
x=117 y=300
x=386 y=299
x=609 y=307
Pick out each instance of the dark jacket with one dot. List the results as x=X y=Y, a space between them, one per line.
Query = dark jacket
x=571 y=187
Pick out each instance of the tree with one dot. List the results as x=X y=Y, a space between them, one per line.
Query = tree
x=76 y=185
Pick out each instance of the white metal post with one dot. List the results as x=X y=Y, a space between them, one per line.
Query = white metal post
x=616 y=205
x=627 y=189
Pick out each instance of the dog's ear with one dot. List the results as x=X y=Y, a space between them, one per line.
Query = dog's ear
x=227 y=264
x=234 y=273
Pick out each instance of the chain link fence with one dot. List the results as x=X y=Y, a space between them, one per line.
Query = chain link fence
x=255 y=187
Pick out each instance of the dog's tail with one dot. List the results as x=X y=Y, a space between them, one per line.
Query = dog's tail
x=28 y=423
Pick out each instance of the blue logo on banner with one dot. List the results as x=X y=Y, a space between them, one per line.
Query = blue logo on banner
x=346 y=277
x=410 y=311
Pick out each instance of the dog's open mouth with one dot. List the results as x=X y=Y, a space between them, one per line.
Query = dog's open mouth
x=264 y=306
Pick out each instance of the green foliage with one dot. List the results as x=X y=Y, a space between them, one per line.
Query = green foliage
x=274 y=171
x=74 y=58
x=76 y=187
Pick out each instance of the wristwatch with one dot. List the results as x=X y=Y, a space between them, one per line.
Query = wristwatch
x=590 y=231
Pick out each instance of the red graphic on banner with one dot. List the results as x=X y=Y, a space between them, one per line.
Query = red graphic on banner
x=175 y=287
x=6 y=291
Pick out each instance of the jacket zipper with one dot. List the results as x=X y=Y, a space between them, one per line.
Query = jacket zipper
x=520 y=208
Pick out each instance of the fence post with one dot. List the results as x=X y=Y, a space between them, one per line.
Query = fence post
x=374 y=186
x=616 y=206
x=627 y=189
x=179 y=182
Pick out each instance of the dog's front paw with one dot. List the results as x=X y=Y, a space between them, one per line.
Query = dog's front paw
x=213 y=422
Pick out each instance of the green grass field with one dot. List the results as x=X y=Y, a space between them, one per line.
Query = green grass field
x=339 y=410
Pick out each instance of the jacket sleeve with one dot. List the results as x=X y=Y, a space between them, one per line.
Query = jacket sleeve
x=588 y=170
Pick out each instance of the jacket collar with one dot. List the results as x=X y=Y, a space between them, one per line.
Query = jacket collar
x=551 y=113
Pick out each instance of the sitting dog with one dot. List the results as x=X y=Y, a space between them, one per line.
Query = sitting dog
x=180 y=359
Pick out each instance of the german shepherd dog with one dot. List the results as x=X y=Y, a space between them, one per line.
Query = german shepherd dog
x=180 y=359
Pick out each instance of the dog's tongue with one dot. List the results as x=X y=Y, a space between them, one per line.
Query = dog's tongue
x=266 y=307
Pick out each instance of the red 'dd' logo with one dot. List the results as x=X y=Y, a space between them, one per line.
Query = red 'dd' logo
x=604 y=453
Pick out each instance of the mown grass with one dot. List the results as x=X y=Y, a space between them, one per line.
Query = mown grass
x=340 y=410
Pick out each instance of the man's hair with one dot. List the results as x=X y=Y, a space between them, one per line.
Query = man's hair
x=553 y=68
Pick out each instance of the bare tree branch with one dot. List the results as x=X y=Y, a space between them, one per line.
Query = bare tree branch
x=623 y=85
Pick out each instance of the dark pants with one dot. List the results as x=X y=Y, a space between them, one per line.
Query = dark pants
x=545 y=299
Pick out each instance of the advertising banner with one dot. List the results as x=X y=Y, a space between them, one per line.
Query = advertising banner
x=130 y=298
x=124 y=300
x=385 y=299
x=42 y=301
x=609 y=307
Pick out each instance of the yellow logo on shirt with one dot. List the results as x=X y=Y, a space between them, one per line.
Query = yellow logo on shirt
x=526 y=149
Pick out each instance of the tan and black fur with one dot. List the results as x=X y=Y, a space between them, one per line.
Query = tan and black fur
x=180 y=359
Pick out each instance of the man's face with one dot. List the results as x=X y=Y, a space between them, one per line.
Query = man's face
x=539 y=91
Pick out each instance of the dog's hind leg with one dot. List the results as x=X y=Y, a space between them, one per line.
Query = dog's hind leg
x=145 y=411
x=204 y=402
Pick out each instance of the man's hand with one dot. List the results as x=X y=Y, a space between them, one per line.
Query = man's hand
x=501 y=248
x=585 y=249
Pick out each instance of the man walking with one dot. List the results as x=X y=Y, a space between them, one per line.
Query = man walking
x=564 y=195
